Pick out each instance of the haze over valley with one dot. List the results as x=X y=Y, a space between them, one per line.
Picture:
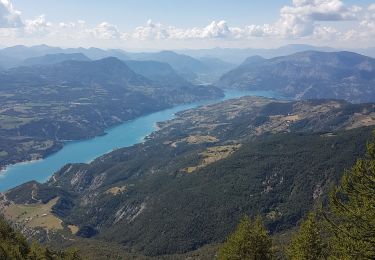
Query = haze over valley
x=251 y=138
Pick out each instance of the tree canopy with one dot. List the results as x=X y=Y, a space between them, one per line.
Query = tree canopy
x=249 y=241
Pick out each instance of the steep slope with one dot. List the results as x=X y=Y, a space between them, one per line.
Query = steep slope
x=307 y=75
x=41 y=106
x=159 y=72
x=189 y=184
x=216 y=68
x=186 y=66
x=202 y=70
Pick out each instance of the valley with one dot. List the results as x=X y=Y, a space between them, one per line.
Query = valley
x=130 y=155
x=252 y=154
x=187 y=130
x=126 y=134
x=43 y=107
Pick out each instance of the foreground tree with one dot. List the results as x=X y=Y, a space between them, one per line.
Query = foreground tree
x=351 y=214
x=13 y=246
x=308 y=243
x=250 y=241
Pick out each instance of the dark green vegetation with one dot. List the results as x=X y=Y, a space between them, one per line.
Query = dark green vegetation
x=14 y=246
x=308 y=75
x=308 y=242
x=351 y=214
x=249 y=241
x=343 y=229
x=193 y=180
x=41 y=106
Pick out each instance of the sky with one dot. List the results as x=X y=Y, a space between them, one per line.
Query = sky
x=193 y=24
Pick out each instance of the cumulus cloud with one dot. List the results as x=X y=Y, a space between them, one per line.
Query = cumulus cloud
x=299 y=19
x=9 y=17
x=105 y=31
x=150 y=31
x=157 y=31
x=38 y=26
x=304 y=20
x=216 y=30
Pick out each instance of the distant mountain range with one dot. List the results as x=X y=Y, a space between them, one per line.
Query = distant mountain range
x=192 y=69
x=308 y=75
x=159 y=72
x=319 y=72
x=49 y=59
x=237 y=56
x=197 y=66
x=75 y=99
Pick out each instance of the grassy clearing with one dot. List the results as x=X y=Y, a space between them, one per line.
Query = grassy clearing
x=194 y=139
x=34 y=215
x=199 y=139
x=3 y=154
x=214 y=154
x=116 y=190
x=8 y=123
x=73 y=229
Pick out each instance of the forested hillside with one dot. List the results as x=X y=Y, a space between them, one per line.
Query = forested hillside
x=192 y=181
x=43 y=106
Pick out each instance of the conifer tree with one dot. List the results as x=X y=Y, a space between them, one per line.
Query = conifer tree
x=351 y=214
x=13 y=246
x=308 y=243
x=250 y=241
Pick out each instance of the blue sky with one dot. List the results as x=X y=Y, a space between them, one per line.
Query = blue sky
x=188 y=24
x=130 y=13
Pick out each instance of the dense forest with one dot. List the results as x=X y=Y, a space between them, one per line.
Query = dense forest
x=184 y=190
x=342 y=229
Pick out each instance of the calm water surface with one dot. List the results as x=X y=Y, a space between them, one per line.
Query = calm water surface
x=124 y=135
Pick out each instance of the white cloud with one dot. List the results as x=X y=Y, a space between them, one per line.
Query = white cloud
x=105 y=31
x=216 y=30
x=312 y=21
x=37 y=27
x=9 y=17
x=157 y=31
x=150 y=31
x=300 y=19
x=326 y=33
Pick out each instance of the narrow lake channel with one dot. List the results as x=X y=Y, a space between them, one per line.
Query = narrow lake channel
x=124 y=135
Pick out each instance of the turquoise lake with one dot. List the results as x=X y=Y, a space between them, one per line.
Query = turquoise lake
x=124 y=135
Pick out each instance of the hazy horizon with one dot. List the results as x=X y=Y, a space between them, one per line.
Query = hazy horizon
x=178 y=25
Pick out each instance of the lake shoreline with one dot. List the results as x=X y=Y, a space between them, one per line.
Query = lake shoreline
x=60 y=144
x=125 y=134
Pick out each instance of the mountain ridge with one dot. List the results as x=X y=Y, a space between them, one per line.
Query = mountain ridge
x=308 y=75
x=48 y=104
